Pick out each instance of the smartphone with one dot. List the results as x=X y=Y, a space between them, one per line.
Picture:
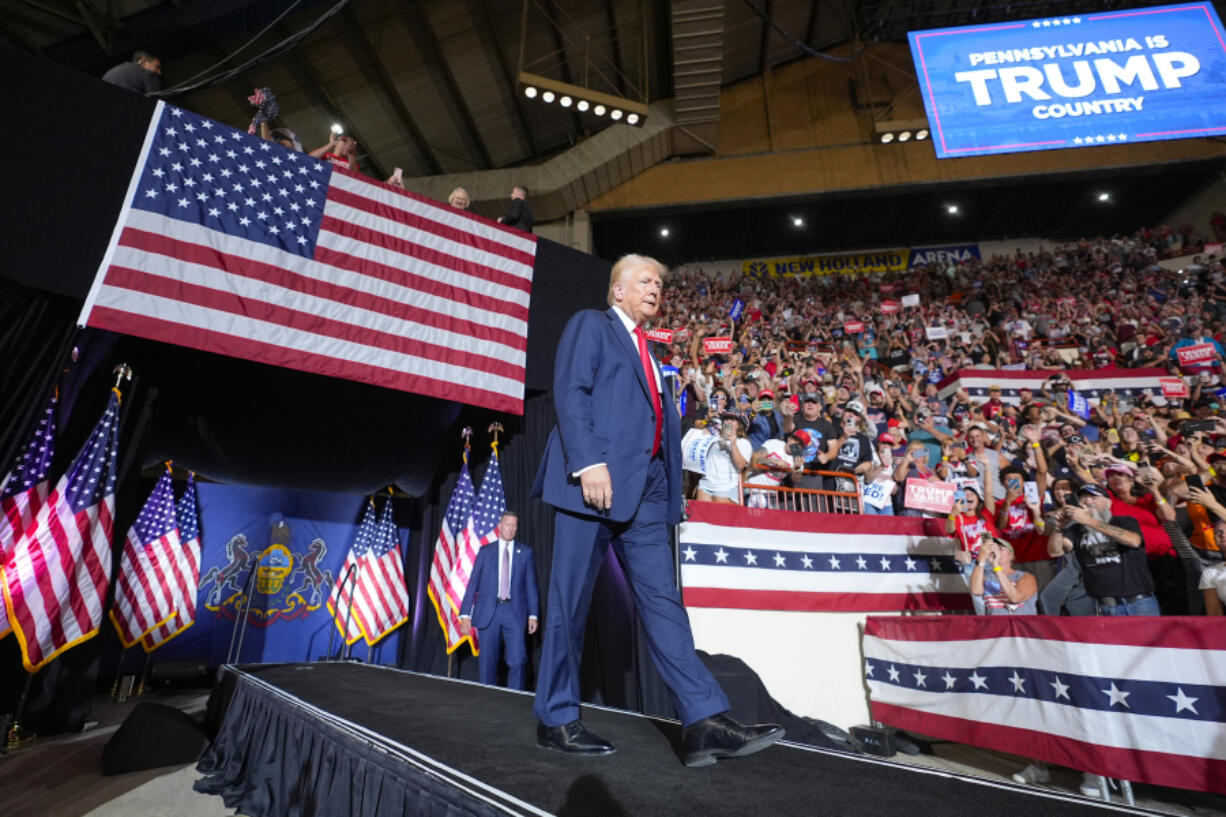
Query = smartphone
x=1194 y=481
x=398 y=174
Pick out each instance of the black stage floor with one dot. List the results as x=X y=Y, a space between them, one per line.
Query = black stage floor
x=351 y=739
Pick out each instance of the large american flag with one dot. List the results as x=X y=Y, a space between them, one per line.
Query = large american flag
x=482 y=529
x=233 y=244
x=383 y=597
x=148 y=590
x=24 y=491
x=451 y=537
x=56 y=574
x=186 y=574
x=742 y=558
x=1141 y=699
x=344 y=602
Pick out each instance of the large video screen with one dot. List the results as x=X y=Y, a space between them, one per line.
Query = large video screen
x=1135 y=75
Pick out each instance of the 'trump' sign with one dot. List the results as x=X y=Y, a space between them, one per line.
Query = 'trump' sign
x=1136 y=75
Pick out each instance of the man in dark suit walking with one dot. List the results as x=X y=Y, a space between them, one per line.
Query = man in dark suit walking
x=612 y=471
x=519 y=214
x=501 y=596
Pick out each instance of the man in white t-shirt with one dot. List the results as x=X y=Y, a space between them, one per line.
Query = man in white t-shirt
x=727 y=457
x=770 y=464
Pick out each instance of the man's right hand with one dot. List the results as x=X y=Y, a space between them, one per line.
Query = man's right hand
x=466 y=626
x=597 y=488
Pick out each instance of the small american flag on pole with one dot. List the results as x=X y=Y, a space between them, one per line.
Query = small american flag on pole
x=383 y=596
x=186 y=574
x=147 y=592
x=233 y=244
x=24 y=491
x=482 y=529
x=57 y=572
x=345 y=612
x=451 y=537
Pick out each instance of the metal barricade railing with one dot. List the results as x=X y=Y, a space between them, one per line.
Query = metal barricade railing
x=787 y=498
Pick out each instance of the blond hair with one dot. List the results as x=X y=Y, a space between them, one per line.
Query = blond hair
x=628 y=262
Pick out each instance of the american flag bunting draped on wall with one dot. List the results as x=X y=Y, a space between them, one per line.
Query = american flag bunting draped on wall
x=451 y=538
x=381 y=585
x=233 y=244
x=345 y=603
x=25 y=490
x=187 y=573
x=56 y=574
x=148 y=589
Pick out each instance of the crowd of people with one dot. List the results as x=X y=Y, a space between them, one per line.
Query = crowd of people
x=804 y=401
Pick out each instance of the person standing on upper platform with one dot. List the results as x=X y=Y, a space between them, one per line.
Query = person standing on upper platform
x=143 y=75
x=519 y=214
x=612 y=471
x=500 y=598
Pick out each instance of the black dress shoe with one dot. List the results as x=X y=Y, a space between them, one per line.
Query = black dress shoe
x=573 y=738
x=719 y=736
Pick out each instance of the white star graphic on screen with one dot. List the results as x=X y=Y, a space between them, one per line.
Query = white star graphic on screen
x=780 y=560
x=920 y=678
x=893 y=673
x=1060 y=688
x=949 y=680
x=690 y=553
x=1117 y=696
x=721 y=556
x=910 y=563
x=1076 y=19
x=834 y=562
x=1183 y=702
x=806 y=561
x=751 y=558
x=1036 y=24
x=868 y=669
x=1122 y=137
x=980 y=681
x=1019 y=683
x=861 y=563
x=885 y=563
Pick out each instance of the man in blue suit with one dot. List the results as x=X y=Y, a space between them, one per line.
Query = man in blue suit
x=612 y=471
x=501 y=595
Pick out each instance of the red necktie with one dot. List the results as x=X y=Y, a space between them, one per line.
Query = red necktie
x=650 y=371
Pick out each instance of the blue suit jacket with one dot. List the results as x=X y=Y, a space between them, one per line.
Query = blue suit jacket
x=481 y=597
x=605 y=414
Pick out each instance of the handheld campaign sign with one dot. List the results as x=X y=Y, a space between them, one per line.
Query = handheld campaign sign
x=737 y=310
x=716 y=346
x=1196 y=354
x=1126 y=75
x=935 y=497
x=660 y=335
x=853 y=327
x=1173 y=387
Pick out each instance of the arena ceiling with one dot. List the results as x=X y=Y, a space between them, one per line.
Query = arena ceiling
x=430 y=86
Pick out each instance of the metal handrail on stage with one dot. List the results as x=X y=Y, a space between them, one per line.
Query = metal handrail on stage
x=349 y=571
x=241 y=612
x=813 y=500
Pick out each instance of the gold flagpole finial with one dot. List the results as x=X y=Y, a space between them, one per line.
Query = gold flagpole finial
x=495 y=429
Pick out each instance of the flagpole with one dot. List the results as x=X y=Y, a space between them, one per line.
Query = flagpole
x=118 y=672
x=14 y=737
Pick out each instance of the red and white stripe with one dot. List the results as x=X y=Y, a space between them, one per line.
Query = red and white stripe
x=1083 y=380
x=147 y=592
x=793 y=534
x=187 y=583
x=382 y=599
x=445 y=556
x=56 y=576
x=16 y=514
x=403 y=292
x=344 y=612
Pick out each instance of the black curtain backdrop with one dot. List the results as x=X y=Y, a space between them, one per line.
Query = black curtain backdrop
x=246 y=423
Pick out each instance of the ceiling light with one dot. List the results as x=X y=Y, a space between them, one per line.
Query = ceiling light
x=548 y=96
x=1104 y=196
x=886 y=138
x=921 y=134
x=952 y=209
x=566 y=102
x=663 y=232
x=530 y=92
x=615 y=114
x=797 y=221
x=632 y=119
x=583 y=105
x=904 y=136
x=598 y=110
x=582 y=99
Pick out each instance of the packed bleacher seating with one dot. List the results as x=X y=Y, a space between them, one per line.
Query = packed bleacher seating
x=843 y=384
